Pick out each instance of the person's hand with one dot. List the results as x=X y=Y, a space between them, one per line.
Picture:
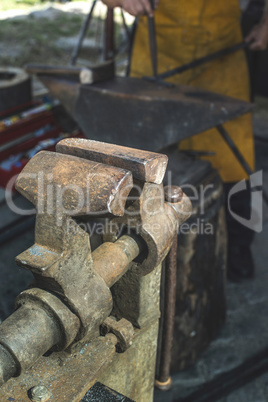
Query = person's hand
x=139 y=7
x=133 y=7
x=259 y=35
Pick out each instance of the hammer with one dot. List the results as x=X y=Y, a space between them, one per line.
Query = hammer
x=152 y=40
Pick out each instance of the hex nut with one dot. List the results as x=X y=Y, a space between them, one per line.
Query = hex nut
x=40 y=394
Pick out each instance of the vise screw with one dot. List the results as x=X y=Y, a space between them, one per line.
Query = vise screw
x=70 y=297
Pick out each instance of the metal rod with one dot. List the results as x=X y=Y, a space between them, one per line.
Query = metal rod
x=163 y=380
x=7 y=364
x=27 y=334
x=45 y=69
x=131 y=43
x=109 y=35
x=82 y=35
x=223 y=132
x=202 y=60
x=128 y=33
x=152 y=41
x=123 y=251
x=20 y=333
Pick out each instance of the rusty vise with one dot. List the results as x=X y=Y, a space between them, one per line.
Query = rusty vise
x=87 y=302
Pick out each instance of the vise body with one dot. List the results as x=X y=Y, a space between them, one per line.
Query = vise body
x=92 y=311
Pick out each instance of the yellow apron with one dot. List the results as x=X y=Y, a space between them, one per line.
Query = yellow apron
x=190 y=29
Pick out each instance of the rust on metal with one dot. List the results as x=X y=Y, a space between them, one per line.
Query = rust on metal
x=40 y=323
x=70 y=297
x=67 y=377
x=111 y=260
x=122 y=329
x=144 y=165
x=163 y=378
x=154 y=220
x=173 y=195
x=67 y=322
x=182 y=208
x=70 y=176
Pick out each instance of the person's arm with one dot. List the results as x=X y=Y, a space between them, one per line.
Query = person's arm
x=259 y=34
x=133 y=7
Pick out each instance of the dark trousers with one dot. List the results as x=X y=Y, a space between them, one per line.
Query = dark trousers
x=240 y=203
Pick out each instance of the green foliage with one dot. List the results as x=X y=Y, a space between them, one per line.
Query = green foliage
x=31 y=40
x=36 y=40
x=22 y=4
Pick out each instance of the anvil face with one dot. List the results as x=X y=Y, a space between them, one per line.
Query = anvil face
x=136 y=113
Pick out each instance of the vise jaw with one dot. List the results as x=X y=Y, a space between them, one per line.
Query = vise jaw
x=70 y=297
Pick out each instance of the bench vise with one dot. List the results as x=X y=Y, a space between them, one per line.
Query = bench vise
x=89 y=302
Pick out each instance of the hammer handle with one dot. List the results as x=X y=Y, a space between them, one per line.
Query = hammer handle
x=152 y=4
x=152 y=41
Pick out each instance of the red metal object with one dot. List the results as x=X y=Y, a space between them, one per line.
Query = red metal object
x=24 y=127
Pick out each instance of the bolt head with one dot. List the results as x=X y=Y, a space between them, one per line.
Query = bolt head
x=40 y=394
x=173 y=194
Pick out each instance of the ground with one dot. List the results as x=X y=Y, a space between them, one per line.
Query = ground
x=48 y=34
